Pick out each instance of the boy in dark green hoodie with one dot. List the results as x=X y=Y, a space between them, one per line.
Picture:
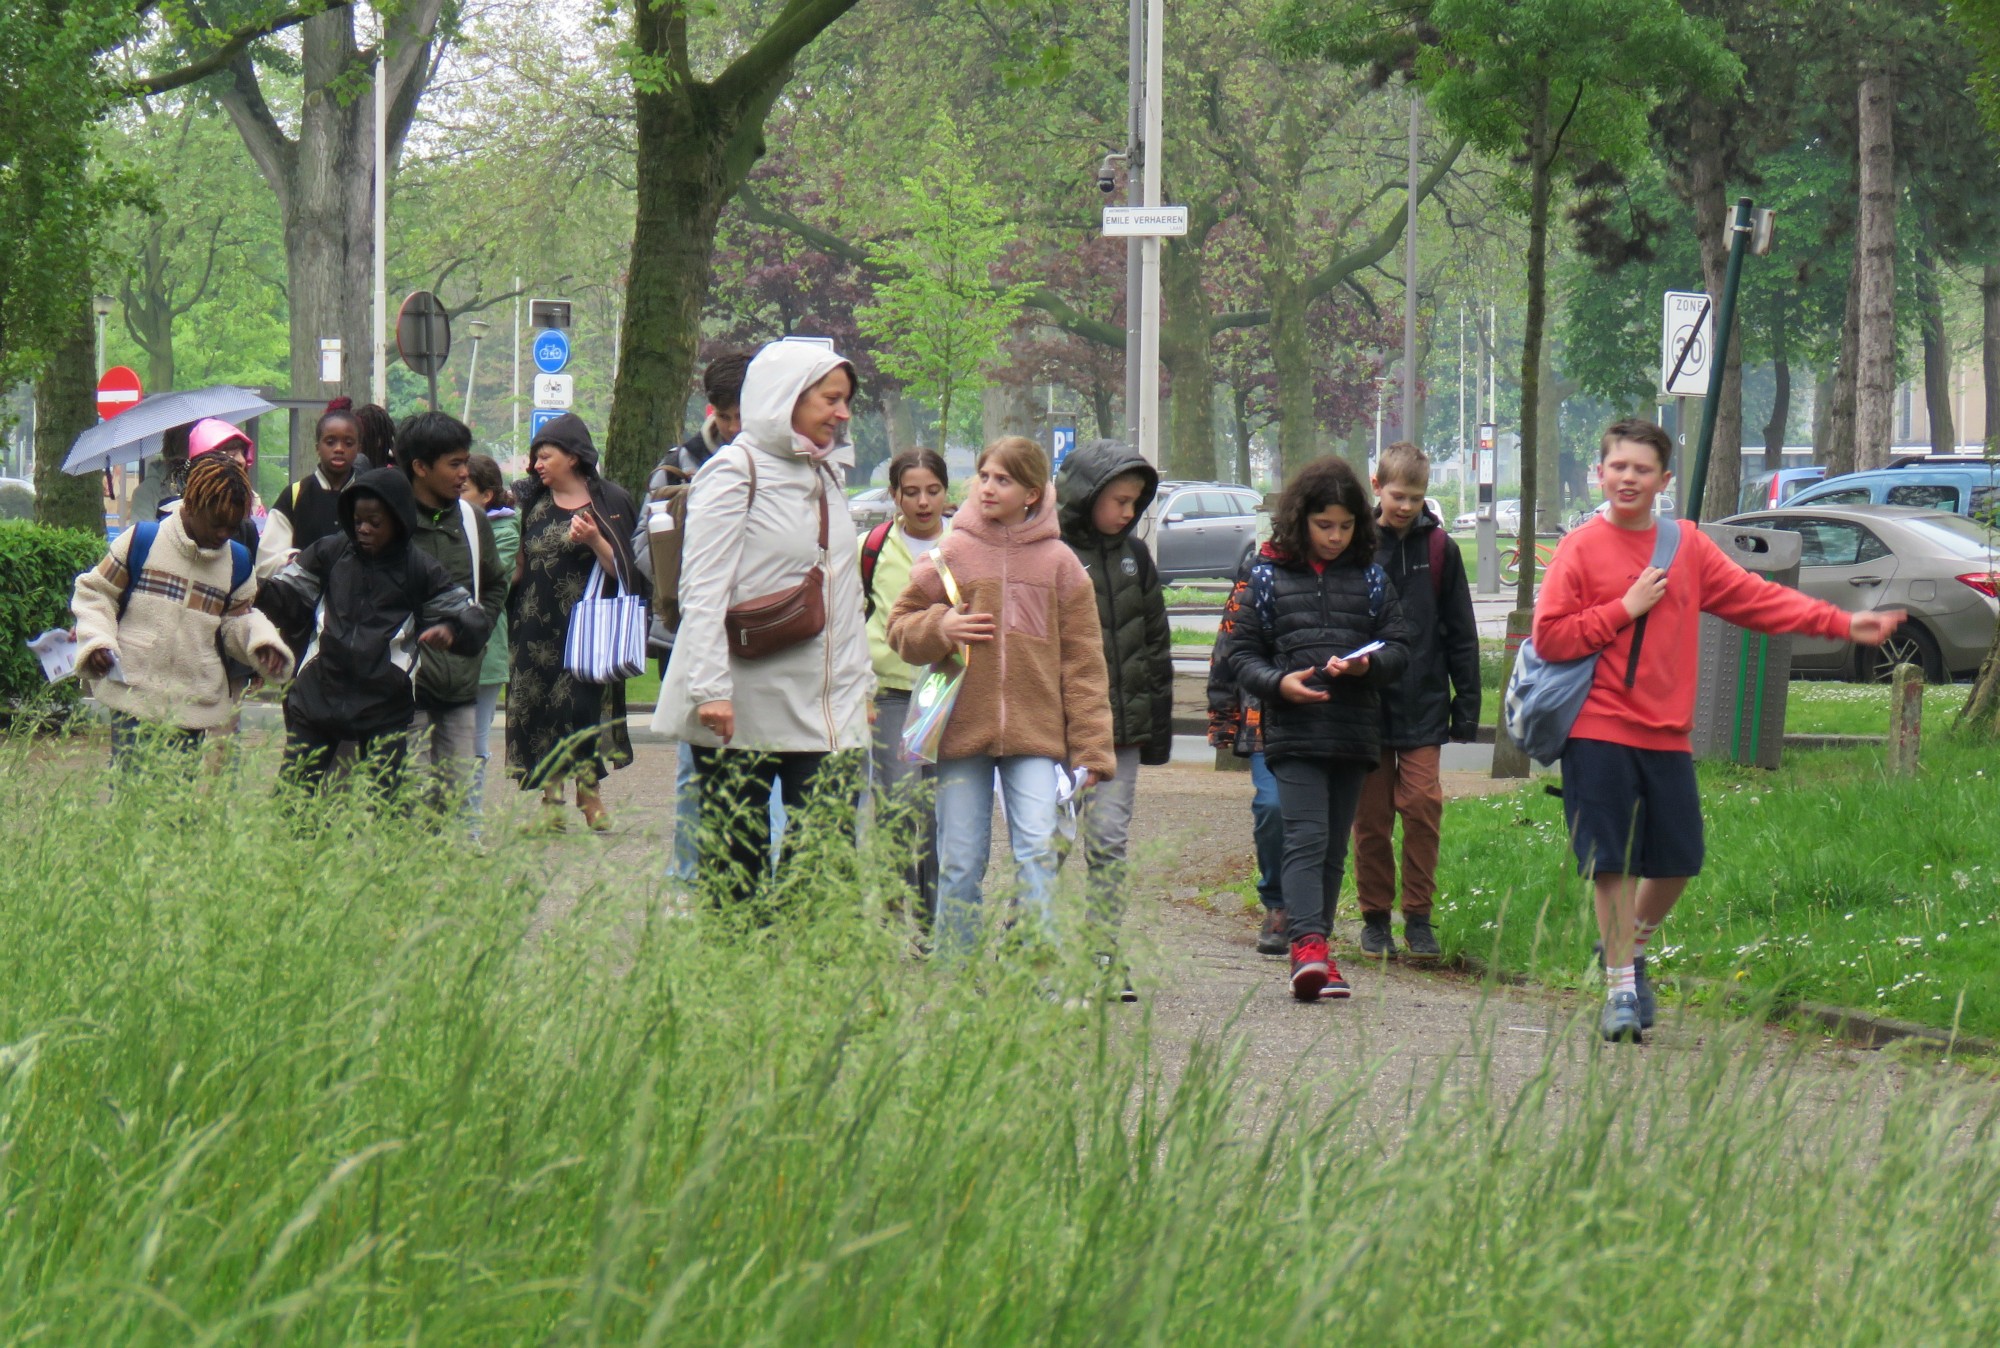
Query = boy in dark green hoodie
x=1101 y=491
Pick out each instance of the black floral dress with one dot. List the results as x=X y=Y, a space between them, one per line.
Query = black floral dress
x=549 y=714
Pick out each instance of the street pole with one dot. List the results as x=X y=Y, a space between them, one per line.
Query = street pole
x=1149 y=256
x=1461 y=409
x=378 y=346
x=1711 y=407
x=1410 y=286
x=478 y=330
x=514 y=437
x=1135 y=194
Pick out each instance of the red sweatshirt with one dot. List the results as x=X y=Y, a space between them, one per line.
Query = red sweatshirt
x=1581 y=609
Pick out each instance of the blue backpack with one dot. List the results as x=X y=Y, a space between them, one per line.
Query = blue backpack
x=1544 y=697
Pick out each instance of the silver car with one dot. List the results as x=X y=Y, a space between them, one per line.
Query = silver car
x=1201 y=529
x=1939 y=567
x=870 y=507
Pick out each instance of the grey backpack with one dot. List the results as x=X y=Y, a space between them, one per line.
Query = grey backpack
x=1544 y=697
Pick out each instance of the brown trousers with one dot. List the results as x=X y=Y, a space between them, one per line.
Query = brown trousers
x=1404 y=783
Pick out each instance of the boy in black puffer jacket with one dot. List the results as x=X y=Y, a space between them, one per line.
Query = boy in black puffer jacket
x=1318 y=632
x=370 y=599
x=1436 y=699
x=1102 y=490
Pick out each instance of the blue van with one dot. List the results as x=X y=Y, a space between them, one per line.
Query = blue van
x=1768 y=491
x=1963 y=485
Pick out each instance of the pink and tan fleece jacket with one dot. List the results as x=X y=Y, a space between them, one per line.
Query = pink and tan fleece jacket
x=1039 y=687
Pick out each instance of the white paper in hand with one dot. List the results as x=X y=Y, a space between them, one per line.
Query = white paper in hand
x=56 y=650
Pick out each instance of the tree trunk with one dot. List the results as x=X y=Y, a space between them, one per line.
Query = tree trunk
x=1989 y=343
x=1781 y=395
x=1840 y=456
x=1104 y=409
x=896 y=422
x=1822 y=415
x=66 y=407
x=1291 y=360
x=324 y=182
x=1713 y=215
x=1240 y=405
x=1355 y=448
x=1548 y=436
x=1937 y=350
x=1539 y=188
x=1186 y=349
x=1875 y=365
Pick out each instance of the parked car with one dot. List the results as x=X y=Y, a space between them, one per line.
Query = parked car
x=1960 y=484
x=1202 y=529
x=1938 y=566
x=1768 y=491
x=1506 y=518
x=870 y=507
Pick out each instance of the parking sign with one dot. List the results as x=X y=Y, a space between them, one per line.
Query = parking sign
x=1062 y=439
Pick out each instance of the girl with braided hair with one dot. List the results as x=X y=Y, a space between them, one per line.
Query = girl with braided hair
x=309 y=509
x=158 y=618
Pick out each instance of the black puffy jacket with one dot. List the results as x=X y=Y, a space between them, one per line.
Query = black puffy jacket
x=366 y=613
x=1138 y=644
x=1293 y=618
x=1438 y=696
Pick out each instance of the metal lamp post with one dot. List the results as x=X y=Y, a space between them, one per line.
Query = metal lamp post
x=477 y=327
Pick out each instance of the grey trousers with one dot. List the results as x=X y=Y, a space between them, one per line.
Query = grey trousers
x=905 y=793
x=1318 y=797
x=1104 y=822
x=445 y=740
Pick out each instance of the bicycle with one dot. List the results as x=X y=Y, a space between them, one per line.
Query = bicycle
x=1510 y=562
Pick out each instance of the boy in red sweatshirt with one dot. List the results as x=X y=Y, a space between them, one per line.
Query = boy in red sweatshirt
x=1629 y=791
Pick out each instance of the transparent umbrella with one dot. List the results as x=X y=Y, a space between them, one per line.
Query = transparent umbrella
x=137 y=434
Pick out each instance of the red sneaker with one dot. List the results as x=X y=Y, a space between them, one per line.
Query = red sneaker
x=1309 y=965
x=1336 y=986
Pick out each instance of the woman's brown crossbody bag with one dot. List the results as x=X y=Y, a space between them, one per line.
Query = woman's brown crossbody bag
x=761 y=628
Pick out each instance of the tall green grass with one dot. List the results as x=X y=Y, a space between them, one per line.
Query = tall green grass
x=348 y=1084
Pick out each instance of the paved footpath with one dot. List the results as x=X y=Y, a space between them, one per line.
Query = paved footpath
x=1191 y=943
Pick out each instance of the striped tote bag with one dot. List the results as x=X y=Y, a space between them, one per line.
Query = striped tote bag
x=607 y=634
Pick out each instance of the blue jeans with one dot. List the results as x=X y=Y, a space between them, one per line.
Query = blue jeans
x=1267 y=826
x=965 y=839
x=687 y=817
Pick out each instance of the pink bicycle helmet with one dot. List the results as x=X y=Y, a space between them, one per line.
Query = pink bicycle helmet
x=212 y=433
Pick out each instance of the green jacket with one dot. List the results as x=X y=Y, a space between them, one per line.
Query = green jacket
x=506 y=547
x=892 y=575
x=1138 y=643
x=445 y=679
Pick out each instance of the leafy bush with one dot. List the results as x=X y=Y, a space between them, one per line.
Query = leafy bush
x=38 y=570
x=261 y=1084
x=16 y=502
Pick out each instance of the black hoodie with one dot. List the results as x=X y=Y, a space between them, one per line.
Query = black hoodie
x=366 y=614
x=617 y=517
x=1138 y=643
x=1437 y=697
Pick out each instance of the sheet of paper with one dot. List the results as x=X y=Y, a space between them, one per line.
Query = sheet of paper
x=56 y=650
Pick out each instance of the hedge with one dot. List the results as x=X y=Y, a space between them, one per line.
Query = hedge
x=38 y=570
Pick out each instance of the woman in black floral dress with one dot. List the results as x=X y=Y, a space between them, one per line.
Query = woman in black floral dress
x=571 y=521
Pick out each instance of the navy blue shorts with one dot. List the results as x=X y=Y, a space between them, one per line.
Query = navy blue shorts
x=1632 y=811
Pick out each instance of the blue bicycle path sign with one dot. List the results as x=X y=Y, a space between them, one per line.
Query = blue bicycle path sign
x=551 y=350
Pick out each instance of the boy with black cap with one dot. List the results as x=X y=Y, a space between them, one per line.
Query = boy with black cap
x=1101 y=491
x=371 y=600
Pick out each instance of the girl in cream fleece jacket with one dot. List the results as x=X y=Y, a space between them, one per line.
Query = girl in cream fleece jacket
x=160 y=661
x=1035 y=696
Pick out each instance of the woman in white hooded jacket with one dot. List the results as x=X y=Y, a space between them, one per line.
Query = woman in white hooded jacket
x=800 y=714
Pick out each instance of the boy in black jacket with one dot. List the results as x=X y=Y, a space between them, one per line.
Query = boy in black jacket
x=370 y=599
x=1437 y=698
x=1101 y=491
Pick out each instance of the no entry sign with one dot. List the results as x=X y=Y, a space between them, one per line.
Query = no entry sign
x=117 y=391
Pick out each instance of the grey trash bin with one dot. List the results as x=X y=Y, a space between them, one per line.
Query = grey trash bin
x=1739 y=704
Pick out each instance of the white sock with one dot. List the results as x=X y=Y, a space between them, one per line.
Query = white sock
x=1617 y=979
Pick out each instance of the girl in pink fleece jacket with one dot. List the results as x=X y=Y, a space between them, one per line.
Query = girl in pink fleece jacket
x=1035 y=699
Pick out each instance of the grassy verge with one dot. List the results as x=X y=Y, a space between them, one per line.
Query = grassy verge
x=343 y=1086
x=1826 y=880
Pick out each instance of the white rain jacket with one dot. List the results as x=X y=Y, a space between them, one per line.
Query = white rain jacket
x=813 y=697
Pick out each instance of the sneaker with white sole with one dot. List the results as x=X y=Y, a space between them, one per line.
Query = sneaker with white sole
x=1620 y=1019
